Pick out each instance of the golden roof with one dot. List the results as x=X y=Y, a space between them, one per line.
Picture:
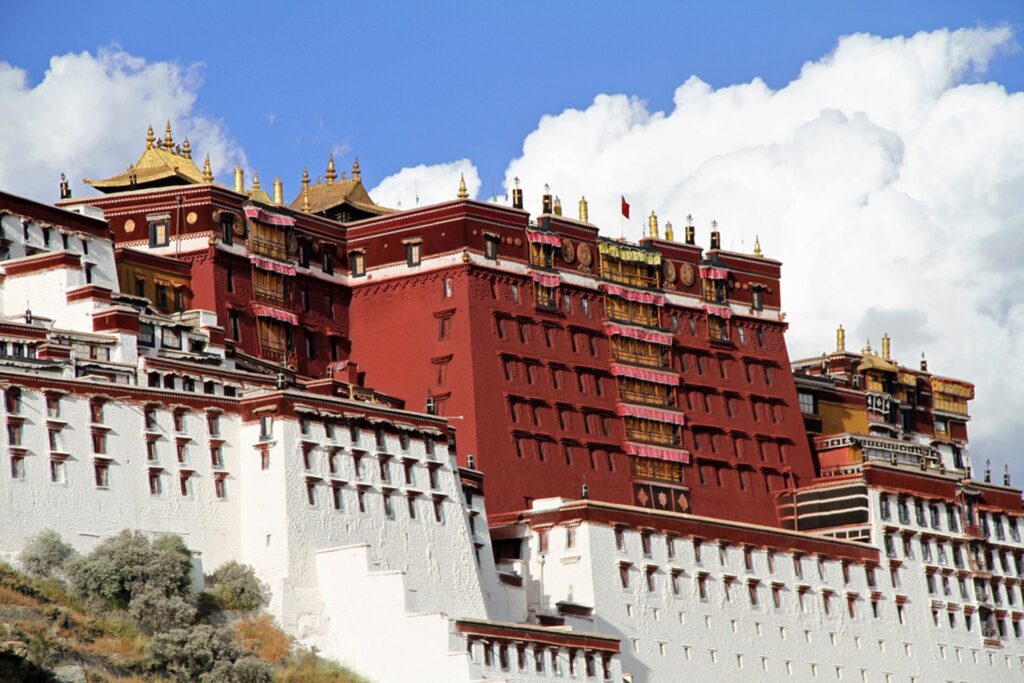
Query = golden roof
x=326 y=196
x=871 y=361
x=161 y=163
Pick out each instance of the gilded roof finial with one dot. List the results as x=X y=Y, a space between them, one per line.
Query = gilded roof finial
x=867 y=349
x=239 y=179
x=669 y=234
x=840 y=340
x=558 y=206
x=168 y=138
x=886 y=346
x=305 y=195
x=207 y=170
x=689 y=219
x=278 y=191
x=757 y=246
x=356 y=173
x=584 y=210
x=463 y=192
x=331 y=174
x=186 y=149
x=652 y=223
x=255 y=180
x=150 y=138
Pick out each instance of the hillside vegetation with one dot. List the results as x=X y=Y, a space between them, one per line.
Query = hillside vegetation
x=126 y=613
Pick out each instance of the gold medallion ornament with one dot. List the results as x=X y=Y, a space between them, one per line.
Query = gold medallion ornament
x=686 y=274
x=568 y=251
x=129 y=225
x=192 y=217
x=585 y=256
x=668 y=271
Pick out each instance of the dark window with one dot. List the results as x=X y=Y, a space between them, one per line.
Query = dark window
x=236 y=328
x=358 y=260
x=491 y=247
x=161 y=297
x=140 y=287
x=757 y=299
x=328 y=263
x=413 y=253
x=159 y=233
x=310 y=346
x=179 y=299
x=227 y=233
x=147 y=335
x=305 y=251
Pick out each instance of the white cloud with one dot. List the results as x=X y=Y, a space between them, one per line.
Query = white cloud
x=885 y=176
x=88 y=117
x=426 y=184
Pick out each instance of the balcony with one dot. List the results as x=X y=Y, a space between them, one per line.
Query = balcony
x=647 y=396
x=275 y=249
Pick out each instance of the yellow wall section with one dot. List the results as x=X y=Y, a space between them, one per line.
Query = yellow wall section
x=837 y=418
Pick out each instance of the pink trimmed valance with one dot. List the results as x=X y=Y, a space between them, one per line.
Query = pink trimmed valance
x=659 y=453
x=720 y=311
x=626 y=410
x=272 y=265
x=276 y=314
x=543 y=238
x=631 y=295
x=645 y=375
x=263 y=216
x=714 y=273
x=637 y=333
x=545 y=279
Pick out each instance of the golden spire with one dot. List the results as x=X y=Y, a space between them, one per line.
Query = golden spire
x=867 y=349
x=207 y=170
x=840 y=340
x=305 y=176
x=584 y=210
x=558 y=206
x=356 y=173
x=239 y=179
x=463 y=192
x=168 y=138
x=757 y=245
x=332 y=174
x=150 y=138
x=305 y=196
x=255 y=180
x=886 y=346
x=669 y=234
x=652 y=223
x=278 y=191
x=186 y=149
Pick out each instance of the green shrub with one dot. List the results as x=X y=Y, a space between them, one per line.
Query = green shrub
x=152 y=581
x=205 y=654
x=44 y=554
x=235 y=586
x=309 y=668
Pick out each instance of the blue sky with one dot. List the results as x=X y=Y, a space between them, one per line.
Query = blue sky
x=400 y=84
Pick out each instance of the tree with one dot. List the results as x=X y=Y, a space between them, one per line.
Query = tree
x=45 y=553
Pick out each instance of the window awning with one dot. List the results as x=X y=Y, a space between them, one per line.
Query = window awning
x=659 y=453
x=713 y=273
x=272 y=265
x=627 y=410
x=545 y=279
x=264 y=216
x=720 y=311
x=276 y=314
x=646 y=375
x=651 y=336
x=632 y=295
x=536 y=237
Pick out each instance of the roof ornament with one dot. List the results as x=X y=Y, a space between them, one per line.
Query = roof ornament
x=840 y=340
x=669 y=233
x=716 y=237
x=65 y=187
x=239 y=179
x=356 y=173
x=331 y=174
x=278 y=191
x=584 y=209
x=1006 y=475
x=886 y=346
x=691 y=232
x=867 y=349
x=463 y=192
x=150 y=138
x=924 y=363
x=255 y=180
x=207 y=170
x=186 y=149
x=652 y=224
x=558 y=206
x=757 y=246
x=988 y=470
x=168 y=138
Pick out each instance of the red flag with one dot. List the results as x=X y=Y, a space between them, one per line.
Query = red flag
x=625 y=208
